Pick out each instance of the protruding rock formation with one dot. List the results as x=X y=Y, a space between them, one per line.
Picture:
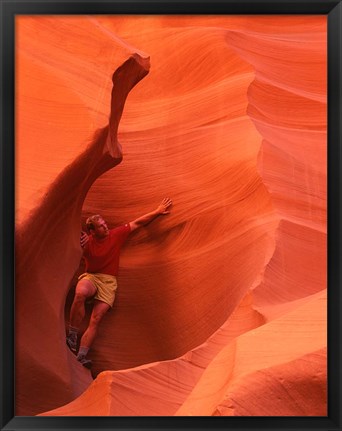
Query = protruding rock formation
x=218 y=306
x=48 y=230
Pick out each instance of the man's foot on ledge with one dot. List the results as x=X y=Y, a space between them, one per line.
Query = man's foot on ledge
x=71 y=341
x=84 y=361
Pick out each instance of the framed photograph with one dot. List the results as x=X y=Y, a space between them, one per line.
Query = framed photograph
x=170 y=215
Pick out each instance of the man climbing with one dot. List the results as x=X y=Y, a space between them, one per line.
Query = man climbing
x=101 y=251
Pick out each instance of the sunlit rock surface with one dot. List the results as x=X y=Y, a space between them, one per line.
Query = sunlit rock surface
x=222 y=302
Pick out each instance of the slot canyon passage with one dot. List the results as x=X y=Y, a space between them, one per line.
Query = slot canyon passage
x=221 y=305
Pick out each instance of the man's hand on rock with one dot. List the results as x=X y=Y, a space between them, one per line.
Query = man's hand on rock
x=163 y=207
x=84 y=239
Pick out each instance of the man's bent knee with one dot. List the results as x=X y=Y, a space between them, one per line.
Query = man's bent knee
x=84 y=290
x=80 y=297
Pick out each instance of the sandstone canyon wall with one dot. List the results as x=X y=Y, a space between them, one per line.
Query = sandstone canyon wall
x=221 y=306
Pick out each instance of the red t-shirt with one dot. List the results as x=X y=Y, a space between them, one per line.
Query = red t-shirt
x=103 y=255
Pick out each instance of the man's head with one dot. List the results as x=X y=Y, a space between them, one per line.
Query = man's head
x=97 y=227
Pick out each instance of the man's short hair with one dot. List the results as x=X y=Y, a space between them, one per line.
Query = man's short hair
x=90 y=221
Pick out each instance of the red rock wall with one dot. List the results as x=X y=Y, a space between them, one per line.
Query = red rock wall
x=229 y=122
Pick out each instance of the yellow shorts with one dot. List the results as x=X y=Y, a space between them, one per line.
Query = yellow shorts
x=105 y=285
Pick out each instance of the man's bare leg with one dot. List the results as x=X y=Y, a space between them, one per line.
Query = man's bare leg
x=84 y=290
x=99 y=310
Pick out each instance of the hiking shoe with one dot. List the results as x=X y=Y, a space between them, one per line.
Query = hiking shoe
x=71 y=341
x=84 y=361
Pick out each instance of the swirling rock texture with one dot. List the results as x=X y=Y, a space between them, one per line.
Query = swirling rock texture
x=221 y=306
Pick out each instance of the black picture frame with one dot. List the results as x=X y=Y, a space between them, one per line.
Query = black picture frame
x=9 y=9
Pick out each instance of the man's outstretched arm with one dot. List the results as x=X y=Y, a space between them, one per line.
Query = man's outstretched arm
x=162 y=209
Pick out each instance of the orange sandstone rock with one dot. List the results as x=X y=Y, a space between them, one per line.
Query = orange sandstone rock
x=230 y=122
